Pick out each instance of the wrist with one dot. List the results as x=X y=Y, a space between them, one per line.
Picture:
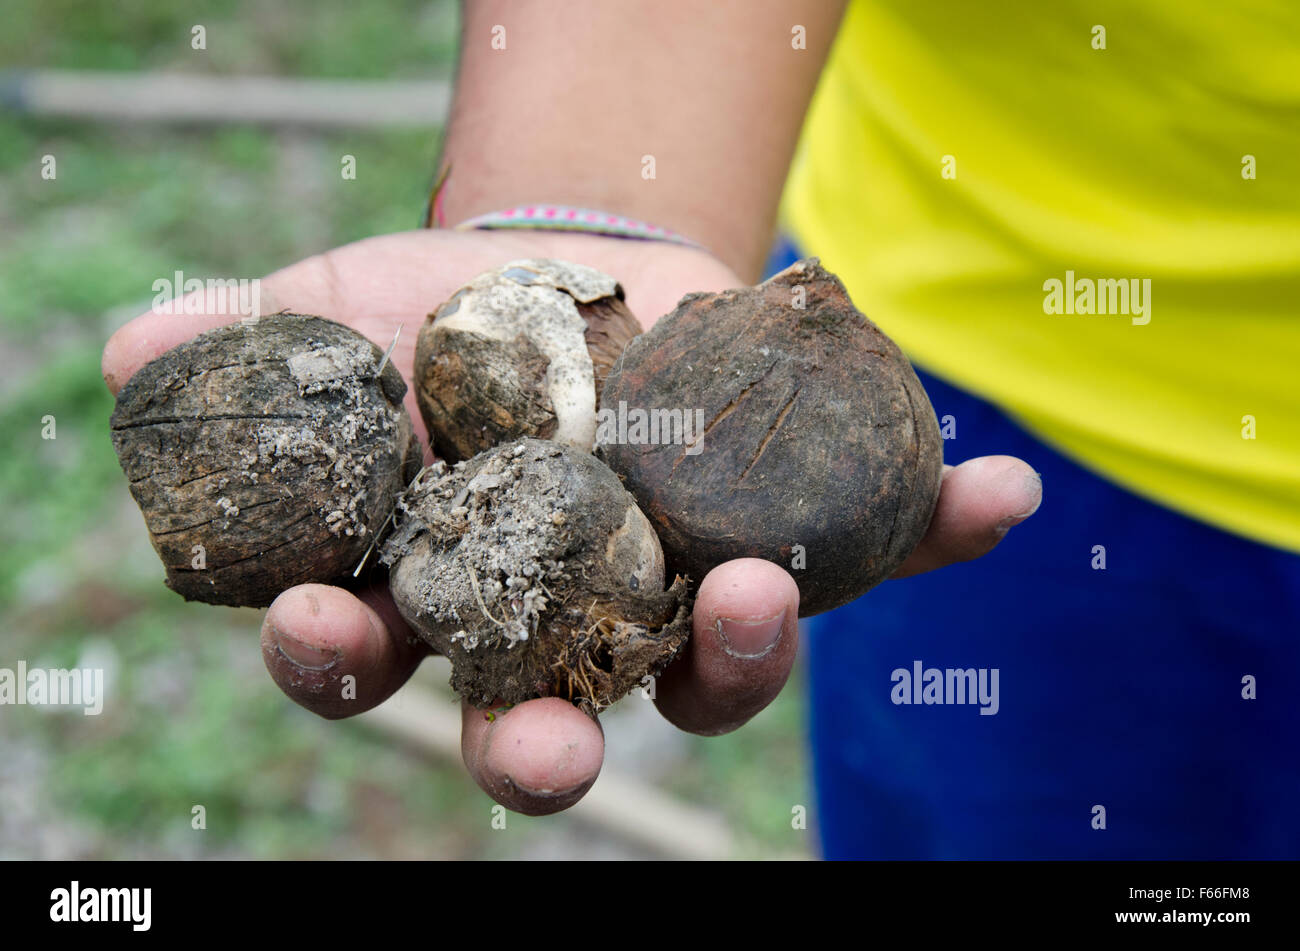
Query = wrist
x=562 y=218
x=474 y=197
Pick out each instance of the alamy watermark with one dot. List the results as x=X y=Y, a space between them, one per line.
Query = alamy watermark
x=56 y=687
x=653 y=427
x=950 y=685
x=78 y=904
x=1102 y=296
x=216 y=296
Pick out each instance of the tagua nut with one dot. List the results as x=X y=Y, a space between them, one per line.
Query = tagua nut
x=819 y=451
x=522 y=350
x=532 y=569
x=265 y=454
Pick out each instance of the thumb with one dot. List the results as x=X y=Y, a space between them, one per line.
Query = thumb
x=979 y=502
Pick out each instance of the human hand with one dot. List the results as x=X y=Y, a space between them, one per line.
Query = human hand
x=541 y=756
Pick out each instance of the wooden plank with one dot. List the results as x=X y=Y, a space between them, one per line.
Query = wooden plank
x=183 y=97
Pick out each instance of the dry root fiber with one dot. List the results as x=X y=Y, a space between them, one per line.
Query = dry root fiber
x=533 y=570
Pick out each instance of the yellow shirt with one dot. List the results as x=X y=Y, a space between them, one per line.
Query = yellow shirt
x=972 y=171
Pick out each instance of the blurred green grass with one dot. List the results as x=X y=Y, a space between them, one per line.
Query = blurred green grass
x=195 y=719
x=332 y=38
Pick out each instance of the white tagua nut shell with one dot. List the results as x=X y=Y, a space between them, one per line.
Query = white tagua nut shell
x=521 y=350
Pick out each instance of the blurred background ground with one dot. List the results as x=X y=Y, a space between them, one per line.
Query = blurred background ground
x=192 y=717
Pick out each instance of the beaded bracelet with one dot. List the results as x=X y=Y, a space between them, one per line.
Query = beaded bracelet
x=548 y=217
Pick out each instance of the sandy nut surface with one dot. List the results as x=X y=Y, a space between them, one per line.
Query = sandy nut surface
x=533 y=570
x=264 y=455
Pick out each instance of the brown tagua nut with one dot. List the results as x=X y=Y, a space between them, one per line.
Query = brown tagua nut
x=816 y=448
x=522 y=350
x=534 y=572
x=265 y=454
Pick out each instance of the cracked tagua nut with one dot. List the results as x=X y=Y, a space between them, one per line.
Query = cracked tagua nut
x=522 y=350
x=819 y=452
x=264 y=454
x=534 y=572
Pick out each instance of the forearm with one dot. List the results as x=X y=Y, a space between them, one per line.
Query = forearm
x=585 y=90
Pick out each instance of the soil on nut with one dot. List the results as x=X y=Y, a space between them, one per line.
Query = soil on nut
x=264 y=455
x=532 y=569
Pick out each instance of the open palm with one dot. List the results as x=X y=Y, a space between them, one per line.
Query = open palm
x=543 y=755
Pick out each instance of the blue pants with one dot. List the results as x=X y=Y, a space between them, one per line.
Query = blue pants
x=1121 y=729
x=1119 y=687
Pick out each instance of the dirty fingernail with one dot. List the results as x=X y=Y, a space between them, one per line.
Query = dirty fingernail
x=1034 y=484
x=297 y=652
x=572 y=790
x=750 y=639
x=1034 y=487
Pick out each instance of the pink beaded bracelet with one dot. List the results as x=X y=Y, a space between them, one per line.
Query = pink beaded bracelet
x=566 y=218
x=547 y=217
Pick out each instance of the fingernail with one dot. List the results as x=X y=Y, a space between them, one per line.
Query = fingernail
x=549 y=793
x=310 y=658
x=1035 y=483
x=749 y=640
x=1034 y=487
